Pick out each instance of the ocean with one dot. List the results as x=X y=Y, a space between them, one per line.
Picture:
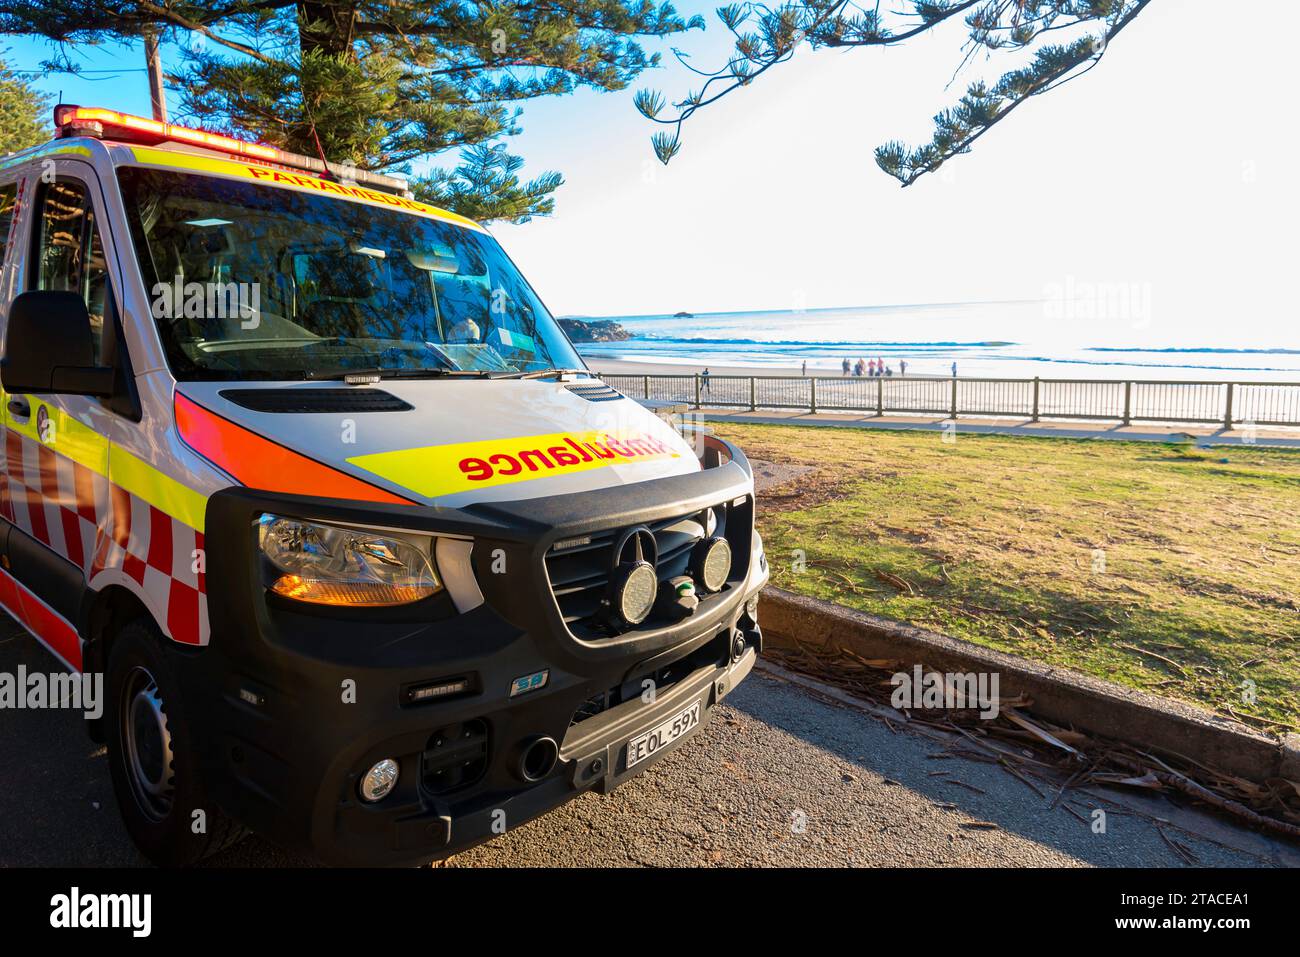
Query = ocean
x=1021 y=339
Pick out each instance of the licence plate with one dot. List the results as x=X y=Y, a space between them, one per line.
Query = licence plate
x=658 y=738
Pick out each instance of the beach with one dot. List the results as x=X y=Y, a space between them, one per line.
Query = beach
x=1014 y=340
x=650 y=367
x=777 y=387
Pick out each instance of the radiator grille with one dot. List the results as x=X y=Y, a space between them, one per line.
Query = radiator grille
x=579 y=568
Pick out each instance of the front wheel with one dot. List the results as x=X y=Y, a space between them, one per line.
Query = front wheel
x=152 y=758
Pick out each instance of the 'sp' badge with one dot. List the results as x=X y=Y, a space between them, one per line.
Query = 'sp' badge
x=530 y=682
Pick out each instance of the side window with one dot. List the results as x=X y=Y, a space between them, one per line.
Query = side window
x=8 y=203
x=70 y=256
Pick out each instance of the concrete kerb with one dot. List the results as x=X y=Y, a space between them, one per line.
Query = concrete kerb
x=1062 y=696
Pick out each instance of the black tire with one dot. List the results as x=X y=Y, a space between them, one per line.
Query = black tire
x=151 y=755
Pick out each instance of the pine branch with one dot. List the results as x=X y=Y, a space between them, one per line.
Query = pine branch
x=766 y=37
x=957 y=129
x=377 y=83
x=486 y=188
x=779 y=33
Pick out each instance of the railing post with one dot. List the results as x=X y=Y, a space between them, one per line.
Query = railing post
x=1036 y=383
x=812 y=393
x=880 y=397
x=645 y=385
x=1227 y=413
x=954 y=397
x=1128 y=403
x=697 y=390
x=753 y=392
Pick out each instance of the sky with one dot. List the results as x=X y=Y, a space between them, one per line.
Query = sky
x=1162 y=182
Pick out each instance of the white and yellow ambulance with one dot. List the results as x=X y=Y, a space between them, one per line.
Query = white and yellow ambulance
x=372 y=565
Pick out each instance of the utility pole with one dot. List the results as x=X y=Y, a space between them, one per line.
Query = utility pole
x=153 y=59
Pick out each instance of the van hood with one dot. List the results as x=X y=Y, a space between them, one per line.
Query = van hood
x=450 y=442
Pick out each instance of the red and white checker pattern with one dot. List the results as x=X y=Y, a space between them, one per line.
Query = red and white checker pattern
x=163 y=557
x=54 y=499
x=114 y=536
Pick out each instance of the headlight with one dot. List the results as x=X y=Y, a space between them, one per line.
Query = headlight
x=329 y=565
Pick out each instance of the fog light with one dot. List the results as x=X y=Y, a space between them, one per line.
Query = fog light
x=379 y=780
x=634 y=598
x=711 y=563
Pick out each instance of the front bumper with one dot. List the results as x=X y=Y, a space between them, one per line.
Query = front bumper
x=289 y=707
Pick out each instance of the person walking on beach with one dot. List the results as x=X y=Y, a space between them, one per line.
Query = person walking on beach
x=704 y=379
x=954 y=369
x=804 y=373
x=902 y=367
x=845 y=365
x=872 y=367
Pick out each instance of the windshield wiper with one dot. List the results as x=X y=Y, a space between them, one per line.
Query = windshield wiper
x=400 y=374
x=547 y=373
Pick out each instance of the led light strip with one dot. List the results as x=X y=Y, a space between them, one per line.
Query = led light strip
x=70 y=115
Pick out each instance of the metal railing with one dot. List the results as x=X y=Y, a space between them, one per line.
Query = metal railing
x=1125 y=401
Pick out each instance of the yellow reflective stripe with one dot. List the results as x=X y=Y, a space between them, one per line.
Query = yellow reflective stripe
x=68 y=437
x=437 y=470
x=157 y=488
x=295 y=180
x=51 y=150
x=75 y=440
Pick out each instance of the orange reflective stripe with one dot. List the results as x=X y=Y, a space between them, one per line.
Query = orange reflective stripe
x=262 y=464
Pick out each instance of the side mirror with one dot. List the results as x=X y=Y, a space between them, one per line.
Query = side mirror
x=49 y=347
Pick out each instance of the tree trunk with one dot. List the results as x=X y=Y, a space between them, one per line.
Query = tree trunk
x=333 y=28
x=153 y=63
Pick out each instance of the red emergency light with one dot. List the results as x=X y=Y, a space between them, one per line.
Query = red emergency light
x=101 y=123
x=98 y=122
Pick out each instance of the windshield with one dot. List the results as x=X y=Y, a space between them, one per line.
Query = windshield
x=257 y=282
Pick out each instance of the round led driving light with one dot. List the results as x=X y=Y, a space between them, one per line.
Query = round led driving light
x=711 y=563
x=379 y=780
x=635 y=596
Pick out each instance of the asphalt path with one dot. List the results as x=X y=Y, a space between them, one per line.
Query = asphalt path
x=784 y=775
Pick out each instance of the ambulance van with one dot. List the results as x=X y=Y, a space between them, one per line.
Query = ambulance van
x=370 y=563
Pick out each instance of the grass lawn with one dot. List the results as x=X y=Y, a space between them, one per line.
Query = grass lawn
x=1156 y=566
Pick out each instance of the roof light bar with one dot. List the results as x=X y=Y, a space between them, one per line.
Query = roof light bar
x=101 y=123
x=92 y=120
